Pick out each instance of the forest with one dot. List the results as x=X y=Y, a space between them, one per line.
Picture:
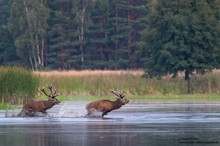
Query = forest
x=72 y=34
x=159 y=36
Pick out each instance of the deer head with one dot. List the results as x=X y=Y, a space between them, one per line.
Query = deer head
x=52 y=95
x=120 y=97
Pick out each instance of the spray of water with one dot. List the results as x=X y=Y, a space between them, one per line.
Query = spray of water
x=72 y=109
x=68 y=109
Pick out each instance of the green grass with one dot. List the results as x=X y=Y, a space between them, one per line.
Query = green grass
x=150 y=98
x=3 y=106
x=22 y=84
x=17 y=82
x=7 y=106
x=95 y=85
x=98 y=83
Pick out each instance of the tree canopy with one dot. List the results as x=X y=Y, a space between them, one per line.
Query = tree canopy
x=161 y=36
x=76 y=34
x=182 y=35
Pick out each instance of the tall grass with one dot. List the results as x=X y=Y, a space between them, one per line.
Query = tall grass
x=98 y=83
x=17 y=82
x=93 y=82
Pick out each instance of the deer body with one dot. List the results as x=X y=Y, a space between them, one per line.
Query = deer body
x=40 y=106
x=105 y=106
x=30 y=109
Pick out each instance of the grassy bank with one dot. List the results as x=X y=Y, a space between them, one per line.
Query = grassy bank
x=93 y=85
x=19 y=85
x=98 y=83
x=153 y=98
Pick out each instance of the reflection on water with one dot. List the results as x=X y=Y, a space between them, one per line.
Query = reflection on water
x=136 y=124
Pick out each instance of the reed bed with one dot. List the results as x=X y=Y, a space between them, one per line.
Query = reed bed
x=99 y=82
x=17 y=83
x=131 y=82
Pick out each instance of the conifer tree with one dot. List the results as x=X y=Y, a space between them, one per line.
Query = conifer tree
x=183 y=35
x=8 y=54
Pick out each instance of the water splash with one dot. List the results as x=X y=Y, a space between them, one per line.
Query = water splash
x=72 y=109
x=68 y=109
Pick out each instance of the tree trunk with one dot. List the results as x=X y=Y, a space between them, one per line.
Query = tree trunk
x=116 y=29
x=32 y=54
x=187 y=79
x=129 y=30
x=31 y=62
x=42 y=50
x=82 y=29
x=38 y=49
x=102 y=35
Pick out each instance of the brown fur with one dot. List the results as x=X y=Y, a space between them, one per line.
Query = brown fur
x=31 y=108
x=40 y=106
x=105 y=106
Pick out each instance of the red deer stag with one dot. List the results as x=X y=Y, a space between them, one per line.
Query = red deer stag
x=105 y=106
x=30 y=109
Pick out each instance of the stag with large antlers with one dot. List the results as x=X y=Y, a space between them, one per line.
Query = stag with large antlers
x=106 y=106
x=30 y=109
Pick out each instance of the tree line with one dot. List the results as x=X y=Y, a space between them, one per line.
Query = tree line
x=72 y=34
x=159 y=36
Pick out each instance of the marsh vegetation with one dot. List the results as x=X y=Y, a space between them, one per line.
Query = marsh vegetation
x=19 y=85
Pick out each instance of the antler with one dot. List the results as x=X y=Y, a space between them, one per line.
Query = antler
x=52 y=94
x=120 y=95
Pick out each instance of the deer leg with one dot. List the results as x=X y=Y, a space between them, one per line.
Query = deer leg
x=29 y=113
x=105 y=113
x=22 y=113
x=43 y=111
x=90 y=111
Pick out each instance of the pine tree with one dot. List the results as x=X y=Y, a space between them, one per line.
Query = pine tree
x=127 y=21
x=67 y=35
x=8 y=54
x=138 y=10
x=183 y=35
x=98 y=36
x=59 y=36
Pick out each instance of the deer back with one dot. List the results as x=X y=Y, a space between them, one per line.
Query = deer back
x=107 y=105
x=100 y=105
x=35 y=106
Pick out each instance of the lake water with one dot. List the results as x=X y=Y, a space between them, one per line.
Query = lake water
x=138 y=123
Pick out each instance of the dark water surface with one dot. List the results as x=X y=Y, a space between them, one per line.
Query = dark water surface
x=136 y=124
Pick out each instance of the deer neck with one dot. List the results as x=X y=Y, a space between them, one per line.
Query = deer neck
x=48 y=104
x=117 y=104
